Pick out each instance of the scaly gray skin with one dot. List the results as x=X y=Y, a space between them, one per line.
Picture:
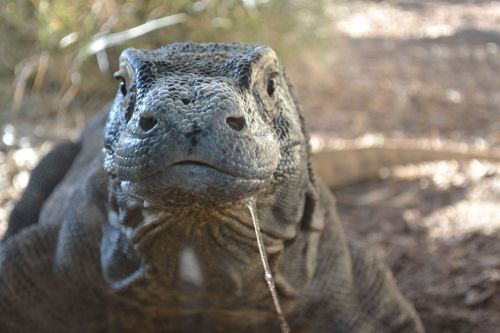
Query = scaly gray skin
x=160 y=239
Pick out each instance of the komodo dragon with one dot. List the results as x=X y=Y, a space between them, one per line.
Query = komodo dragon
x=151 y=232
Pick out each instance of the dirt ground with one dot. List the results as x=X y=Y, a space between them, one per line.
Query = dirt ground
x=399 y=69
x=421 y=69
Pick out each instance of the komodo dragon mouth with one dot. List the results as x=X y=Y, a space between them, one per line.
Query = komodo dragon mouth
x=185 y=182
x=189 y=163
x=197 y=168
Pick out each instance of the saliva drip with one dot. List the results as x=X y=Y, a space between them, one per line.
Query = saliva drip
x=267 y=271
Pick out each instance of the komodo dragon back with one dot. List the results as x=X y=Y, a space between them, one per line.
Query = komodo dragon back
x=147 y=227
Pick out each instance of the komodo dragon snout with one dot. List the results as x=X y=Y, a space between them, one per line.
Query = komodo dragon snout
x=184 y=135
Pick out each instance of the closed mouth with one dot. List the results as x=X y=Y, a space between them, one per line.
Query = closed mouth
x=189 y=167
x=198 y=164
x=191 y=163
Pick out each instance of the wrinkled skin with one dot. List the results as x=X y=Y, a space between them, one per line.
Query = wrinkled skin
x=153 y=234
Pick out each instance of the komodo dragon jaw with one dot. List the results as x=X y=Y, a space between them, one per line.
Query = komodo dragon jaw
x=180 y=134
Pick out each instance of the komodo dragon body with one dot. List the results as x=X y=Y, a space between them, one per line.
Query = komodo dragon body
x=150 y=232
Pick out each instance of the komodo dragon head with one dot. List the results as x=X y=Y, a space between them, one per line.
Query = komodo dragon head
x=204 y=124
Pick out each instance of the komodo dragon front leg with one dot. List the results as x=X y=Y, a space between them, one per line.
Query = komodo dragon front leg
x=44 y=178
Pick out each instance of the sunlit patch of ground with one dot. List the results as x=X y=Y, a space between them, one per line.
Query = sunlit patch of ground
x=414 y=19
x=464 y=218
x=478 y=211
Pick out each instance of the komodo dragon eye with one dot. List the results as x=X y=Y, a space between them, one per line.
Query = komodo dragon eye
x=123 y=86
x=123 y=83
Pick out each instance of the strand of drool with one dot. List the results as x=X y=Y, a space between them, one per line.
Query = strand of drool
x=267 y=271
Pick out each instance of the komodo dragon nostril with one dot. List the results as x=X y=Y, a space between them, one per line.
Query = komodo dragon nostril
x=147 y=121
x=236 y=123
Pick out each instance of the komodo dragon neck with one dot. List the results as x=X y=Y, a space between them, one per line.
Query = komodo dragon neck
x=211 y=256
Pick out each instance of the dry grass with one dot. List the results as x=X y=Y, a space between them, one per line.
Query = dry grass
x=56 y=53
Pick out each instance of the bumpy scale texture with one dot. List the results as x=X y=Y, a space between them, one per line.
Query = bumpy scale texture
x=146 y=228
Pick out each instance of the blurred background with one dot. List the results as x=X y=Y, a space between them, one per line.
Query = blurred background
x=364 y=70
